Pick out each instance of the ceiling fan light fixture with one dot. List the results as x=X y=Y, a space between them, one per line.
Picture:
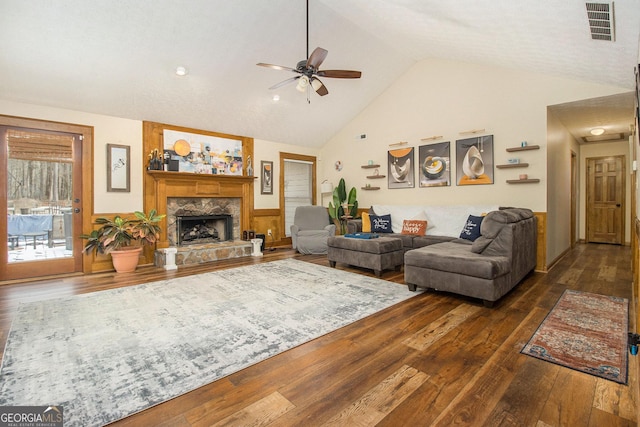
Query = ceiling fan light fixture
x=309 y=68
x=597 y=131
x=316 y=84
x=303 y=82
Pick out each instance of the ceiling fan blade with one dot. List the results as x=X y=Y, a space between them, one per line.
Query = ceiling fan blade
x=340 y=74
x=284 y=82
x=276 y=67
x=316 y=58
x=319 y=87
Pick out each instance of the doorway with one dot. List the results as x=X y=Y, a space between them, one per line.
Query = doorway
x=605 y=199
x=297 y=186
x=42 y=176
x=574 y=199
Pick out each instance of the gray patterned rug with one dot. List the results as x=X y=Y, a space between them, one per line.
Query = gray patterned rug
x=106 y=355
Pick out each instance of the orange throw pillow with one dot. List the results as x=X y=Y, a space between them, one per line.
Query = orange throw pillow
x=366 y=223
x=414 y=226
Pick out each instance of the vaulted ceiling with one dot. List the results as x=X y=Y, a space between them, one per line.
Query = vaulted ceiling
x=118 y=57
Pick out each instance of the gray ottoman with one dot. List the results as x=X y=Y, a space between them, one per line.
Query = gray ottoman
x=377 y=254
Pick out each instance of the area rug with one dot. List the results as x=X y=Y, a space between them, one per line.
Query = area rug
x=586 y=332
x=106 y=355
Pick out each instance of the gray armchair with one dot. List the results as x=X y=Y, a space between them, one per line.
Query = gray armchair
x=311 y=228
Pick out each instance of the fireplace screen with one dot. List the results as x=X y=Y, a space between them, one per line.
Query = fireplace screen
x=192 y=230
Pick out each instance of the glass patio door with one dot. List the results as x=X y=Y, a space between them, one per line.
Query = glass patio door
x=42 y=189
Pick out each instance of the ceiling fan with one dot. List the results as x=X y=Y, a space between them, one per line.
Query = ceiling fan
x=308 y=70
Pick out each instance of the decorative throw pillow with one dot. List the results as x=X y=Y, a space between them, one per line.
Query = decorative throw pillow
x=471 y=230
x=414 y=226
x=366 y=222
x=380 y=224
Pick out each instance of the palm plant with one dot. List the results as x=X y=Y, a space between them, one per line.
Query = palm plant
x=343 y=206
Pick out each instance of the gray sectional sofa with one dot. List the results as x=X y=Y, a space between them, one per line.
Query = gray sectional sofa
x=486 y=268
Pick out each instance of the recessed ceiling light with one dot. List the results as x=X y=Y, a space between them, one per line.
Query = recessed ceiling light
x=276 y=98
x=597 y=131
x=181 y=71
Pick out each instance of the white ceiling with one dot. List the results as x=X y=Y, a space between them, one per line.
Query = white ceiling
x=117 y=57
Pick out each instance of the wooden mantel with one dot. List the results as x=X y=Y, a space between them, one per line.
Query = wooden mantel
x=160 y=185
x=178 y=184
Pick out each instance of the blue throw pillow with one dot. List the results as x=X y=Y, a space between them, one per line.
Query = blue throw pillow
x=471 y=230
x=380 y=224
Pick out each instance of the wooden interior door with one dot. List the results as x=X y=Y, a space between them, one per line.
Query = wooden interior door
x=605 y=199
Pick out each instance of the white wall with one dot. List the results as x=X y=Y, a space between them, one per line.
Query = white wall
x=106 y=130
x=560 y=143
x=115 y=130
x=620 y=148
x=270 y=151
x=440 y=97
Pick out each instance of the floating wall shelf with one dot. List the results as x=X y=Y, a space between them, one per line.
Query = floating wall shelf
x=523 y=181
x=525 y=148
x=370 y=188
x=370 y=166
x=513 y=165
x=376 y=176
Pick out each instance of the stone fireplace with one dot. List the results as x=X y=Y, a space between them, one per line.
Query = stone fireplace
x=191 y=195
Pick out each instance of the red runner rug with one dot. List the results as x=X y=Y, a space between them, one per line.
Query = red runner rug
x=586 y=332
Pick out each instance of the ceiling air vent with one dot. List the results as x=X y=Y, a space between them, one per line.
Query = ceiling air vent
x=601 y=21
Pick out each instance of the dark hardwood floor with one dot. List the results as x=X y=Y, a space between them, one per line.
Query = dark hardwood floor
x=436 y=359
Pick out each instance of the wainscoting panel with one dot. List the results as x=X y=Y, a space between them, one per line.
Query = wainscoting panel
x=541 y=258
x=265 y=219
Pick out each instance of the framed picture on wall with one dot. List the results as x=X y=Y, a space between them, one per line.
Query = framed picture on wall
x=400 y=167
x=266 y=177
x=474 y=160
x=638 y=95
x=199 y=153
x=434 y=167
x=118 y=168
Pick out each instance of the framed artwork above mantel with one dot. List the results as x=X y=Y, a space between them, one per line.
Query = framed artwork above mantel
x=196 y=151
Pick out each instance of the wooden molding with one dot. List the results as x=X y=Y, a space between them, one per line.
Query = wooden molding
x=159 y=185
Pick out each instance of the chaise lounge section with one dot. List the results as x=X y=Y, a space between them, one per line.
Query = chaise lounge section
x=487 y=268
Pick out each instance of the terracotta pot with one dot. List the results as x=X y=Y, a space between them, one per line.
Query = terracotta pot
x=126 y=260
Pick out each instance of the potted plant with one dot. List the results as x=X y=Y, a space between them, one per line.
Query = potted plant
x=339 y=210
x=124 y=238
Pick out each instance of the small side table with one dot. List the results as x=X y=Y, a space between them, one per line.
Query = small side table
x=34 y=235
